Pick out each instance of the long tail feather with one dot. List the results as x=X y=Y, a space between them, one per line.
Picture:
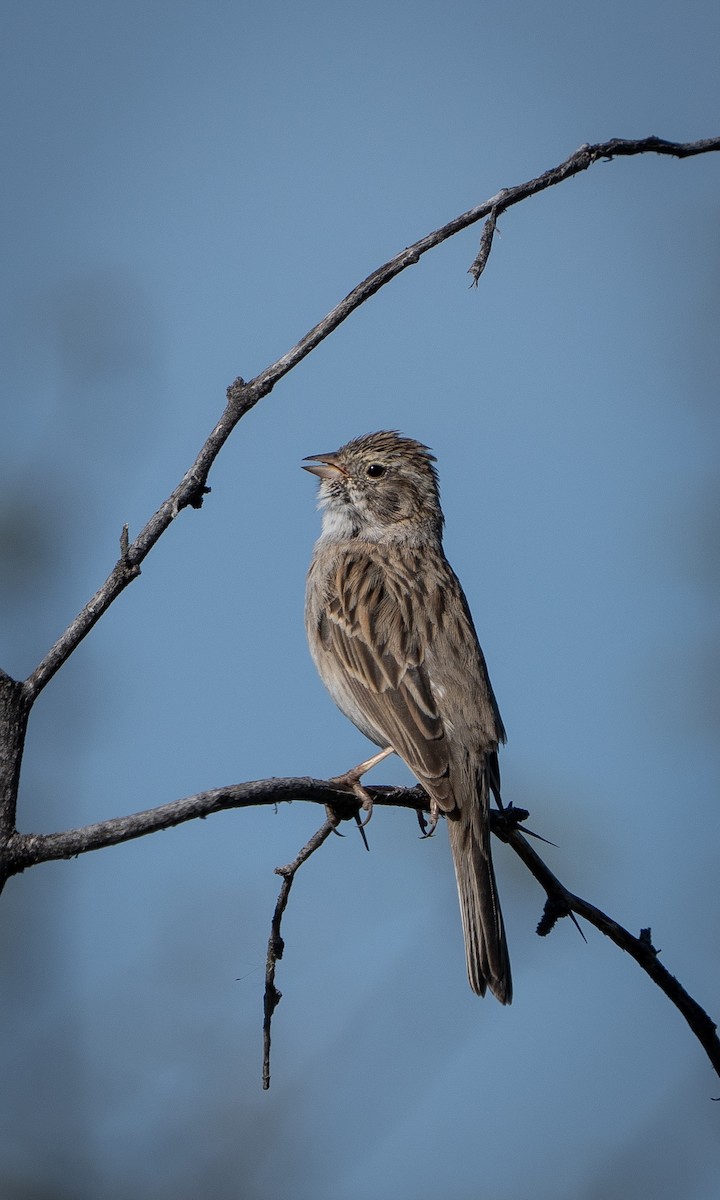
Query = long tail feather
x=486 y=952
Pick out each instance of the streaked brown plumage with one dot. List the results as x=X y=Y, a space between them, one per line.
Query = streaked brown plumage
x=391 y=635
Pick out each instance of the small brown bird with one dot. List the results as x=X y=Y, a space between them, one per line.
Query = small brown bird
x=391 y=635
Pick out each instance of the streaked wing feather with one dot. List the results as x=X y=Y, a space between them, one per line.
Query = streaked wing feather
x=375 y=638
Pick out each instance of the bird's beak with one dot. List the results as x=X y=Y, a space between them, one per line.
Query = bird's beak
x=325 y=466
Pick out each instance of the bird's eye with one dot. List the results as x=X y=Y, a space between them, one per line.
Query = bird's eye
x=375 y=470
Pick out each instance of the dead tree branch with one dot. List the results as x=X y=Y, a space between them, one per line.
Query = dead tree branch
x=27 y=850
x=276 y=945
x=242 y=396
x=562 y=902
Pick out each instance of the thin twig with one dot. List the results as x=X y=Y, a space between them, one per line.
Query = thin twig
x=483 y=254
x=562 y=902
x=242 y=396
x=276 y=945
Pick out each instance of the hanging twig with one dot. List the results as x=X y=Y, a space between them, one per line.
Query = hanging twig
x=483 y=254
x=276 y=945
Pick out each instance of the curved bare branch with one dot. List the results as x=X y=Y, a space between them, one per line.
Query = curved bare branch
x=242 y=396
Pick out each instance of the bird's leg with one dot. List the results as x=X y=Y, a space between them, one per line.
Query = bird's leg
x=351 y=779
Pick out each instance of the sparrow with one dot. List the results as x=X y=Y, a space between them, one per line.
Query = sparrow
x=391 y=635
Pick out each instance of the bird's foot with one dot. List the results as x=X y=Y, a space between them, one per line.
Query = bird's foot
x=351 y=779
x=352 y=782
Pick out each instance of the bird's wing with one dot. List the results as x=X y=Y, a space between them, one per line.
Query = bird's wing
x=376 y=625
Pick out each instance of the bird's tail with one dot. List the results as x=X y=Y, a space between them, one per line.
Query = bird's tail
x=486 y=952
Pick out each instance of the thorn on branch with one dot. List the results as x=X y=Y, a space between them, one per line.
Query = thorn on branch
x=504 y=821
x=336 y=816
x=361 y=826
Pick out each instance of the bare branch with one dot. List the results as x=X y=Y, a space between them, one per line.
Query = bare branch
x=562 y=902
x=26 y=850
x=241 y=396
x=14 y=711
x=29 y=849
x=189 y=492
x=276 y=945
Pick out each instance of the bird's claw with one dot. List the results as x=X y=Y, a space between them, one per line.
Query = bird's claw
x=351 y=781
x=367 y=806
x=427 y=828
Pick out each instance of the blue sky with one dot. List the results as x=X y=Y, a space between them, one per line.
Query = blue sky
x=187 y=189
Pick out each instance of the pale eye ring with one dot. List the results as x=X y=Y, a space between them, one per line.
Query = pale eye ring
x=375 y=470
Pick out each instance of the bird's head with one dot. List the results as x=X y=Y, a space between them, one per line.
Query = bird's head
x=381 y=487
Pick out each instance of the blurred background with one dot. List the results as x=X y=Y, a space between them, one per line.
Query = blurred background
x=187 y=189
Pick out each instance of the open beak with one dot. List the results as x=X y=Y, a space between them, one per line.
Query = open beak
x=325 y=466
